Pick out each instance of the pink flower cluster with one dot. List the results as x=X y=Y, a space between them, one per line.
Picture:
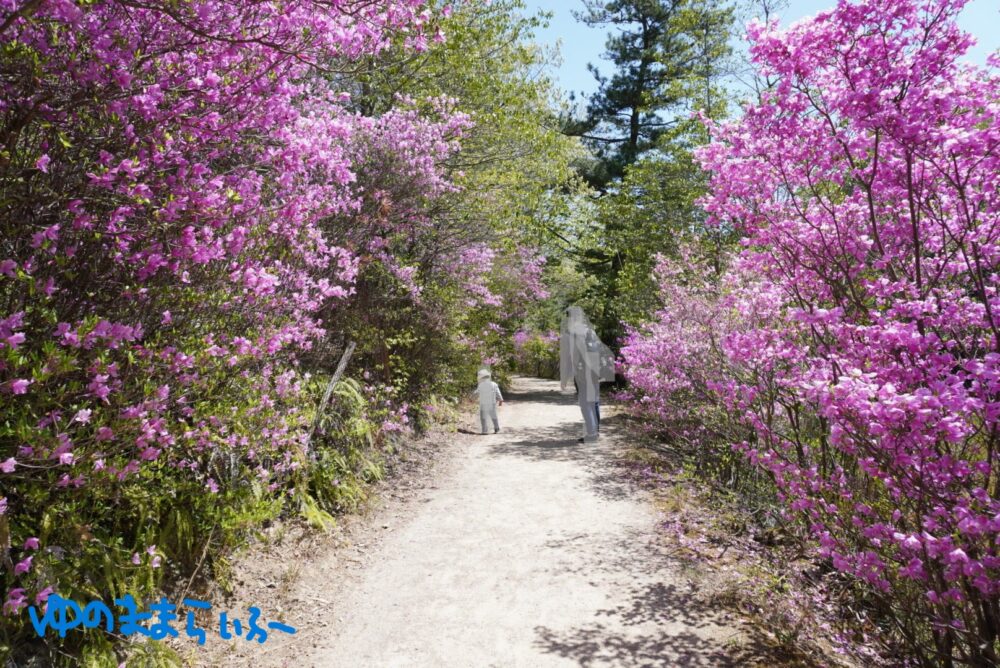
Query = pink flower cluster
x=674 y=363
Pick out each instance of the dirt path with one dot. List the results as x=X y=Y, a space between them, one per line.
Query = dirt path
x=528 y=550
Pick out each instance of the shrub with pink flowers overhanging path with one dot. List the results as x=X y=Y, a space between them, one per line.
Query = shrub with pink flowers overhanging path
x=858 y=331
x=173 y=182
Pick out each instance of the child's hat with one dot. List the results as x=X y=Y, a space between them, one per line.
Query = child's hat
x=483 y=373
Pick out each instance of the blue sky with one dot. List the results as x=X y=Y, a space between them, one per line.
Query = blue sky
x=580 y=44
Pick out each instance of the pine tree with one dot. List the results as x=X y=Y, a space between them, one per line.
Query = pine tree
x=670 y=57
x=658 y=48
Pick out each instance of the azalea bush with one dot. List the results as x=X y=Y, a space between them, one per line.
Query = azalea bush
x=856 y=334
x=172 y=176
x=675 y=362
x=448 y=273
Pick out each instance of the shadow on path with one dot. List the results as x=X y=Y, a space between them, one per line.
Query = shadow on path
x=540 y=392
x=652 y=620
x=607 y=475
x=598 y=645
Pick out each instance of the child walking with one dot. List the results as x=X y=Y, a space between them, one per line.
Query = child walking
x=489 y=397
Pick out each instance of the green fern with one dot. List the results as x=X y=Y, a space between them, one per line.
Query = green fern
x=314 y=514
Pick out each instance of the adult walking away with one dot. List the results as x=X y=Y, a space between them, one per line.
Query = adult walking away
x=582 y=358
x=489 y=397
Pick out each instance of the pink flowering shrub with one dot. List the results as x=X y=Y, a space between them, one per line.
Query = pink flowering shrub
x=514 y=282
x=866 y=351
x=674 y=363
x=435 y=295
x=174 y=179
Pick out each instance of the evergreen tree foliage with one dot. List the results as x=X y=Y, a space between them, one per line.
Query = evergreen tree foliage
x=663 y=51
x=671 y=57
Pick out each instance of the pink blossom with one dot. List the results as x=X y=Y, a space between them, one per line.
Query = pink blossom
x=20 y=386
x=192 y=250
x=15 y=601
x=15 y=339
x=23 y=566
x=43 y=596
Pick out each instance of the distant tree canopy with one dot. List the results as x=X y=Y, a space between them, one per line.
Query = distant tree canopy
x=659 y=49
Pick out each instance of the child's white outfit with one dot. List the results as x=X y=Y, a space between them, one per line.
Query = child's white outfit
x=489 y=395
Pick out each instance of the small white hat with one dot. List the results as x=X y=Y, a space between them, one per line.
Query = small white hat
x=483 y=373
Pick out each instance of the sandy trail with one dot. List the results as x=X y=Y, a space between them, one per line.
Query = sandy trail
x=529 y=550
